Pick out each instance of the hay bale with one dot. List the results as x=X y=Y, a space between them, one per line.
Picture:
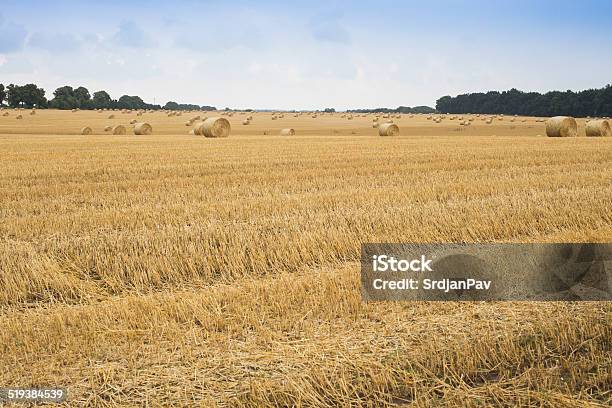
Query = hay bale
x=5 y=114
x=192 y=132
x=246 y=122
x=216 y=127
x=388 y=129
x=111 y=116
x=142 y=128
x=561 y=126
x=86 y=130
x=598 y=128
x=18 y=117
x=375 y=124
x=33 y=112
x=133 y=121
x=198 y=128
x=287 y=132
x=108 y=128
x=119 y=130
x=489 y=121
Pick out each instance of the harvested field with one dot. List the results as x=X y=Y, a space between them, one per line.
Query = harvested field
x=173 y=269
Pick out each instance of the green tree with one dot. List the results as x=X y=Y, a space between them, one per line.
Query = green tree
x=171 y=105
x=131 y=102
x=83 y=98
x=2 y=94
x=64 y=98
x=28 y=96
x=101 y=100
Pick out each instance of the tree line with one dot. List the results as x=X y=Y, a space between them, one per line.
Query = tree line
x=67 y=97
x=399 y=109
x=590 y=102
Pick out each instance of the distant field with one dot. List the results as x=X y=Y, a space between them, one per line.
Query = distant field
x=172 y=269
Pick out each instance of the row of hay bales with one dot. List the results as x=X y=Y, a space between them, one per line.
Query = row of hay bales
x=140 y=128
x=566 y=126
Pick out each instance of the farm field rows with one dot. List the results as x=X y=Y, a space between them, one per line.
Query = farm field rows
x=172 y=269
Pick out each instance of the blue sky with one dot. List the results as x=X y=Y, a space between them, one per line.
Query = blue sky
x=306 y=55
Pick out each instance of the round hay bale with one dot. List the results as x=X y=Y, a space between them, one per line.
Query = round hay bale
x=246 y=122
x=375 y=124
x=119 y=130
x=5 y=114
x=287 y=132
x=598 y=128
x=388 y=129
x=489 y=121
x=133 y=121
x=216 y=127
x=561 y=126
x=143 y=128
x=18 y=117
x=198 y=128
x=108 y=128
x=86 y=130
x=33 y=112
x=111 y=116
